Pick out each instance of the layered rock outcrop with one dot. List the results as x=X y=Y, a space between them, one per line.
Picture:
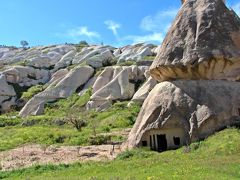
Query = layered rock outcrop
x=202 y=43
x=61 y=87
x=26 y=76
x=200 y=58
x=116 y=83
x=24 y=68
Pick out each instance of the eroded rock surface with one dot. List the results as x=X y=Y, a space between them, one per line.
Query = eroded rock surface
x=202 y=43
x=144 y=90
x=59 y=88
x=116 y=83
x=197 y=109
x=7 y=94
x=26 y=76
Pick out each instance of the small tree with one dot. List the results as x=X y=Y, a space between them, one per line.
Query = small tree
x=94 y=123
x=24 y=44
x=75 y=116
x=83 y=43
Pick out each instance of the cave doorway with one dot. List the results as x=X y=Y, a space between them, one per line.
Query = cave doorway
x=162 y=142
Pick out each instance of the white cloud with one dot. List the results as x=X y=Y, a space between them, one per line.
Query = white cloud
x=156 y=25
x=158 y=22
x=154 y=37
x=82 y=31
x=113 y=26
x=236 y=8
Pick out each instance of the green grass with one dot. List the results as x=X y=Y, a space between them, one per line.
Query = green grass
x=149 y=58
x=11 y=137
x=127 y=63
x=218 y=158
x=32 y=91
x=45 y=129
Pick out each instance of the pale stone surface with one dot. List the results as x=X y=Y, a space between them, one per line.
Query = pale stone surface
x=7 y=95
x=202 y=43
x=5 y=88
x=60 y=88
x=26 y=76
x=116 y=83
x=57 y=76
x=134 y=52
x=144 y=90
x=197 y=108
x=99 y=60
x=66 y=60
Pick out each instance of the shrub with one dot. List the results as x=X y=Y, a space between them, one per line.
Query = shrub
x=99 y=139
x=125 y=155
x=32 y=91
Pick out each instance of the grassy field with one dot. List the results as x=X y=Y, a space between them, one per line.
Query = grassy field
x=218 y=158
x=53 y=127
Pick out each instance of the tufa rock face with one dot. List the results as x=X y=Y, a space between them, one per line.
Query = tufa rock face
x=116 y=83
x=188 y=110
x=202 y=43
x=63 y=85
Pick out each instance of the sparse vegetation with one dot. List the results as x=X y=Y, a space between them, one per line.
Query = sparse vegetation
x=32 y=91
x=81 y=45
x=127 y=63
x=149 y=58
x=24 y=44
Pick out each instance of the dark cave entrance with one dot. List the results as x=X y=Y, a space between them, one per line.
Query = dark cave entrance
x=162 y=142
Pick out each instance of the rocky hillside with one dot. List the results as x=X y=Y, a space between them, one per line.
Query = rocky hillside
x=32 y=77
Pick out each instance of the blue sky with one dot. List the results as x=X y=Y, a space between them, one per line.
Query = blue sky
x=114 y=22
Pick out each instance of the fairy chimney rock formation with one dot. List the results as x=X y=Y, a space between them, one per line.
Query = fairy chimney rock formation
x=200 y=59
x=202 y=43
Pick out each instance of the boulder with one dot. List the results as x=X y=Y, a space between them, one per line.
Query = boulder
x=57 y=76
x=66 y=60
x=5 y=88
x=202 y=43
x=62 y=49
x=58 y=89
x=135 y=52
x=7 y=94
x=26 y=76
x=100 y=60
x=180 y=112
x=144 y=90
x=88 y=85
x=116 y=83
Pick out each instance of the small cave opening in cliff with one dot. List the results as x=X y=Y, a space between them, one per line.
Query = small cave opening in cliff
x=162 y=142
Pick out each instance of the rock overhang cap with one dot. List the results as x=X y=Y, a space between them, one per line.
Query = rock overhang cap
x=202 y=43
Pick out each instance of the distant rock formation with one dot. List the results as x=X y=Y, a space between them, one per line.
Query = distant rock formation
x=62 y=87
x=200 y=58
x=46 y=65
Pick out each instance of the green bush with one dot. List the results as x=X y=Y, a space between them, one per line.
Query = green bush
x=99 y=139
x=9 y=121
